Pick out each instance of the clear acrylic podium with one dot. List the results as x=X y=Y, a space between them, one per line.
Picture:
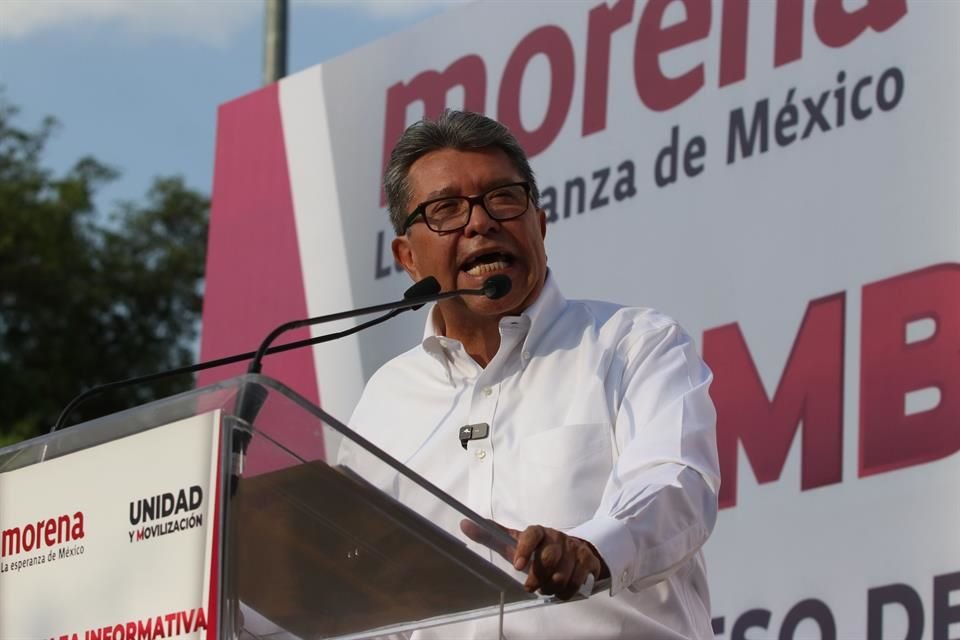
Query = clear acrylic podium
x=318 y=533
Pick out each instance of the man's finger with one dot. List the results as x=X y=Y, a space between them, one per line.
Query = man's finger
x=551 y=554
x=584 y=565
x=532 y=583
x=478 y=534
x=579 y=576
x=587 y=564
x=527 y=542
x=563 y=568
x=550 y=558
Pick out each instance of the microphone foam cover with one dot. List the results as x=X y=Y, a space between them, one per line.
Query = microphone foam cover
x=497 y=286
x=427 y=287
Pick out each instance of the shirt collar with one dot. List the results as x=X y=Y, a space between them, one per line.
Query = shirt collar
x=538 y=318
x=543 y=312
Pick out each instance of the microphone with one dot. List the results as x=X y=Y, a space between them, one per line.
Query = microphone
x=495 y=287
x=425 y=288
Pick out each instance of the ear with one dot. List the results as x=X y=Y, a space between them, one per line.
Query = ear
x=403 y=254
x=542 y=216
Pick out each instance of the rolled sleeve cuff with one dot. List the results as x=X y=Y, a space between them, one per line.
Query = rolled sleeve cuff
x=615 y=544
x=613 y=540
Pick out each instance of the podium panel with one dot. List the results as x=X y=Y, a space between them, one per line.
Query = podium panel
x=111 y=528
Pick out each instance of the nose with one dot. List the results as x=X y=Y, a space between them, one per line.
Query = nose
x=480 y=222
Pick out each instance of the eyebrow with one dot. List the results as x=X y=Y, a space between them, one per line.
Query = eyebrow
x=449 y=191
x=441 y=193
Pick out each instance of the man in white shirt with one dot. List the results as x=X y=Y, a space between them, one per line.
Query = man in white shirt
x=598 y=450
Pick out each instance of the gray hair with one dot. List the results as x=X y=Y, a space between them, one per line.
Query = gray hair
x=460 y=130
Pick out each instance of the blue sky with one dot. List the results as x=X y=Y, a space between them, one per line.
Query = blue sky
x=136 y=83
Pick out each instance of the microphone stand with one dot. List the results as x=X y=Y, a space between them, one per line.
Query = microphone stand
x=416 y=296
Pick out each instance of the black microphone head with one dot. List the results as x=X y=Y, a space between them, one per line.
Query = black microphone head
x=497 y=286
x=429 y=286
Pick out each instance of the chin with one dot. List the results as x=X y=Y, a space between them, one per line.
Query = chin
x=512 y=304
x=485 y=307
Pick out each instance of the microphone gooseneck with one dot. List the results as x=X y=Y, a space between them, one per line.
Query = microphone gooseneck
x=420 y=293
x=415 y=297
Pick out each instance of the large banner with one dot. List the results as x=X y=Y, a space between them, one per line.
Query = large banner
x=779 y=175
x=115 y=542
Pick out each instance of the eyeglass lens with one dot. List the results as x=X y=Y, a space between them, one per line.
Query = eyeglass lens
x=501 y=203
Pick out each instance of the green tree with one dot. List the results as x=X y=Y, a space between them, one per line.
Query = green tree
x=88 y=297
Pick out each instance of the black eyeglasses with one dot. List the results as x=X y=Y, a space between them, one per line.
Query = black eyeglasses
x=453 y=212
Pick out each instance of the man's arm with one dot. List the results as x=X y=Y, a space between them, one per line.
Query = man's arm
x=660 y=501
x=659 y=504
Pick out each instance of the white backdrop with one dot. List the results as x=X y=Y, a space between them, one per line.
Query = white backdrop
x=856 y=185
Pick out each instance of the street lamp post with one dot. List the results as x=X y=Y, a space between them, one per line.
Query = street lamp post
x=275 y=41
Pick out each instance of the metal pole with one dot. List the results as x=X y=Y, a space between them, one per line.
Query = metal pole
x=275 y=41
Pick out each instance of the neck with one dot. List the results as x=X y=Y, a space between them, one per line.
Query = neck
x=481 y=344
x=479 y=337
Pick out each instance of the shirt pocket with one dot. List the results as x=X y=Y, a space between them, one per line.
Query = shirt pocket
x=563 y=472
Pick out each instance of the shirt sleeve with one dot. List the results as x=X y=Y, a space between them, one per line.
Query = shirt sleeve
x=659 y=504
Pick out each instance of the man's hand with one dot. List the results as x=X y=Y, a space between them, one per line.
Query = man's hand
x=556 y=564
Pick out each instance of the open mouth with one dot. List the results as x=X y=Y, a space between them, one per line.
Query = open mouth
x=487 y=263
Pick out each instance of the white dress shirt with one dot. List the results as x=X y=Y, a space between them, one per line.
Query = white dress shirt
x=600 y=424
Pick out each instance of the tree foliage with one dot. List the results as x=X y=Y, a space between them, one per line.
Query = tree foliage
x=87 y=297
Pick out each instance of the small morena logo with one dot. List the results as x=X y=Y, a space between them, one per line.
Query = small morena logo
x=43 y=533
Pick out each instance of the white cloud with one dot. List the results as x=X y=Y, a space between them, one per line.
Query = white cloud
x=386 y=8
x=210 y=22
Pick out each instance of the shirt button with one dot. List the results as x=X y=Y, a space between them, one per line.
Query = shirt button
x=623 y=577
x=481 y=453
x=526 y=355
x=487 y=391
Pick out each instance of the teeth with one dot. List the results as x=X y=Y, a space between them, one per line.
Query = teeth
x=488 y=267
